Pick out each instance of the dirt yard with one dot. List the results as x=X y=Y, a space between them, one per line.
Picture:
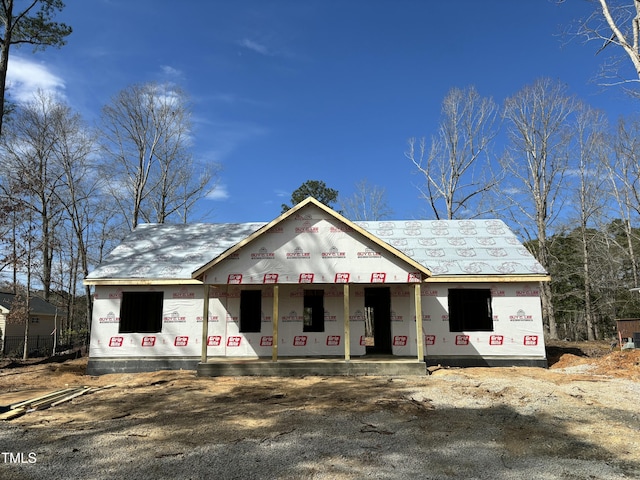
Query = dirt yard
x=580 y=419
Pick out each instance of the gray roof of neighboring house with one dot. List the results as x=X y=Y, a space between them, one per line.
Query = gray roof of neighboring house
x=38 y=306
x=445 y=247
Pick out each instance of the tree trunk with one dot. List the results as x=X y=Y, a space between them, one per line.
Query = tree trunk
x=588 y=307
x=548 y=313
x=4 y=56
x=25 y=352
x=632 y=259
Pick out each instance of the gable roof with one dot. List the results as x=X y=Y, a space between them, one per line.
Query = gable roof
x=332 y=213
x=38 y=306
x=443 y=250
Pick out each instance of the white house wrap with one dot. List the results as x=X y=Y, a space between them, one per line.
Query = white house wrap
x=477 y=286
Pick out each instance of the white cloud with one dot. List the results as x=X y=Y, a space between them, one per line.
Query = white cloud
x=170 y=71
x=26 y=77
x=219 y=192
x=255 y=46
x=226 y=137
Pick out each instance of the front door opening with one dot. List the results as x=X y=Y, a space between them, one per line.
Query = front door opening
x=377 y=313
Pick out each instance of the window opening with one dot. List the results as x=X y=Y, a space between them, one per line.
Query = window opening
x=470 y=310
x=141 y=312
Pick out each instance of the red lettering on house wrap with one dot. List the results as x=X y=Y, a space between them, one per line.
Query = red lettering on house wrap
x=529 y=292
x=342 y=278
x=414 y=277
x=184 y=293
x=148 y=341
x=234 y=341
x=400 y=292
x=300 y=341
x=270 y=278
x=116 y=341
x=462 y=339
x=181 y=341
x=400 y=341
x=378 y=277
x=496 y=340
x=531 y=340
x=266 y=341
x=234 y=278
x=307 y=229
x=430 y=339
x=214 y=341
x=306 y=278
x=333 y=340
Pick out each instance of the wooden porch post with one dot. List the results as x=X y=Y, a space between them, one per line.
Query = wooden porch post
x=347 y=324
x=274 y=324
x=420 y=340
x=205 y=323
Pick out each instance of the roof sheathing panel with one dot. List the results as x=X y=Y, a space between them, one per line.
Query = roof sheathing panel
x=168 y=252
x=463 y=248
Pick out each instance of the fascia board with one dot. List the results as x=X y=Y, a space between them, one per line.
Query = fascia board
x=141 y=281
x=488 y=278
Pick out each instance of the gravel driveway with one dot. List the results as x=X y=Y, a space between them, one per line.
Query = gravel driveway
x=575 y=422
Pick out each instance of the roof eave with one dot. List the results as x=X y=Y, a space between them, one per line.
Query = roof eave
x=141 y=281
x=489 y=278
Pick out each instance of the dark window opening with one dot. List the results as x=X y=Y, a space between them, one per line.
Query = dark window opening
x=250 y=310
x=313 y=313
x=470 y=310
x=141 y=312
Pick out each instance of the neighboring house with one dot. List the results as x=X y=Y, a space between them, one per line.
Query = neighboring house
x=628 y=331
x=42 y=318
x=312 y=284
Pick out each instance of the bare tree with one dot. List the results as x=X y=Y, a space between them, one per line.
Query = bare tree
x=31 y=169
x=146 y=138
x=26 y=231
x=591 y=149
x=614 y=23
x=455 y=166
x=80 y=196
x=623 y=173
x=368 y=202
x=535 y=162
x=30 y=24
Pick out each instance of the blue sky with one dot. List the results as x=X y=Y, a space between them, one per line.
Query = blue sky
x=290 y=90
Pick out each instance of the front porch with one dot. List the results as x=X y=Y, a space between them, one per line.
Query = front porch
x=293 y=366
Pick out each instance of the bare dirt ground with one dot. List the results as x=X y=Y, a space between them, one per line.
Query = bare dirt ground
x=580 y=419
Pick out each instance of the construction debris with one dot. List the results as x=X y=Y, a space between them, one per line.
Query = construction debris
x=43 y=402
